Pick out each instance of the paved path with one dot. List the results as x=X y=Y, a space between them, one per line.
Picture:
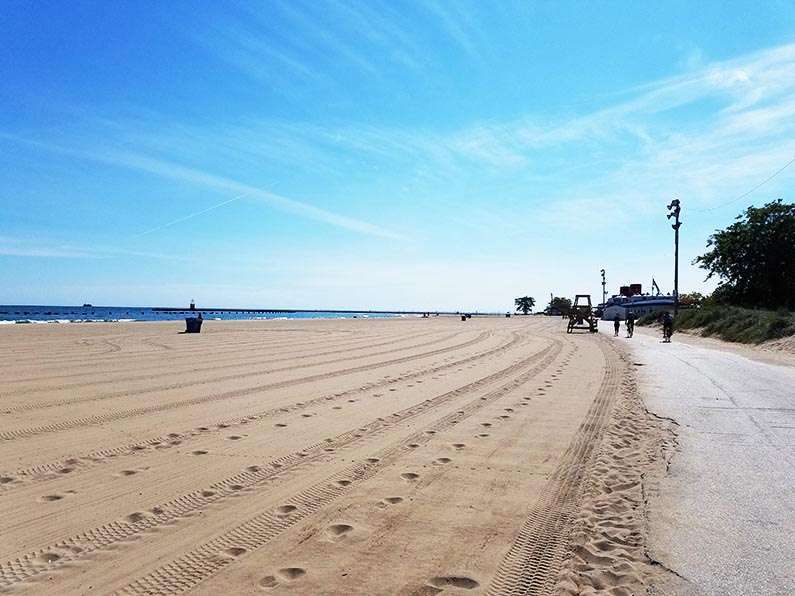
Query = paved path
x=724 y=518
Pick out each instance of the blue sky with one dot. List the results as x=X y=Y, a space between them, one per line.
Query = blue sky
x=439 y=155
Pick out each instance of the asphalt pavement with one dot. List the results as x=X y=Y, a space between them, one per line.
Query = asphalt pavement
x=723 y=519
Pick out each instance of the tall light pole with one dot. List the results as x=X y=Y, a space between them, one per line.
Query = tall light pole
x=604 y=292
x=674 y=209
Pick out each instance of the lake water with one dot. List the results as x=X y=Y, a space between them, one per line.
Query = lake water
x=12 y=314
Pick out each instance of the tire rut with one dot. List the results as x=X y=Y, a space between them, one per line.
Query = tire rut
x=113 y=416
x=83 y=462
x=530 y=567
x=238 y=364
x=253 y=477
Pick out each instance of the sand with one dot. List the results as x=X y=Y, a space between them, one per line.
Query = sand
x=413 y=456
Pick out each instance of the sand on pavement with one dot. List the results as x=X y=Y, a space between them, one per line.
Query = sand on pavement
x=411 y=456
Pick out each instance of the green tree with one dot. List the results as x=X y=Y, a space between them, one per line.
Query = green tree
x=561 y=304
x=691 y=299
x=754 y=258
x=525 y=304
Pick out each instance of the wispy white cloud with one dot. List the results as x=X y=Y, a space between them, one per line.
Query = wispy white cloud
x=459 y=23
x=187 y=217
x=27 y=247
x=706 y=134
x=176 y=171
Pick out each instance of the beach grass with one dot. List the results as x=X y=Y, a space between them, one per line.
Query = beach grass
x=734 y=323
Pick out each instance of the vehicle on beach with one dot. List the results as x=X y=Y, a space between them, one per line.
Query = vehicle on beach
x=582 y=315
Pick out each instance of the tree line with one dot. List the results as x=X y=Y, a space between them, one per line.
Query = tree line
x=753 y=259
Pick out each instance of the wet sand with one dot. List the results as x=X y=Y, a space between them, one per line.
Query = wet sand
x=413 y=456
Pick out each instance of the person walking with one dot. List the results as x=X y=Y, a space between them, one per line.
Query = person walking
x=668 y=327
x=630 y=323
x=617 y=323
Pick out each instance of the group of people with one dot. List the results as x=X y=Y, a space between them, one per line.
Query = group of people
x=666 y=320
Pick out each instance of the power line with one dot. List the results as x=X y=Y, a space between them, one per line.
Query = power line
x=745 y=194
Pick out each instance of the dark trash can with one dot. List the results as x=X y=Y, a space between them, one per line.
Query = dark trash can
x=463 y=317
x=193 y=325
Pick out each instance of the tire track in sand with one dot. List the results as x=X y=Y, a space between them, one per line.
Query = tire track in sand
x=83 y=462
x=229 y=354
x=24 y=433
x=239 y=363
x=531 y=565
x=254 y=477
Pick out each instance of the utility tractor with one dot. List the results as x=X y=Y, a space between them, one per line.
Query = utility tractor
x=582 y=315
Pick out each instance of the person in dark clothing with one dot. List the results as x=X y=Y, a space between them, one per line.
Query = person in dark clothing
x=617 y=323
x=668 y=327
x=630 y=323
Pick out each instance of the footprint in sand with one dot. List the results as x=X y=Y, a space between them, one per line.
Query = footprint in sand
x=442 y=460
x=236 y=551
x=50 y=498
x=135 y=517
x=199 y=452
x=453 y=581
x=49 y=557
x=234 y=437
x=6 y=479
x=338 y=532
x=459 y=445
x=280 y=425
x=285 y=510
x=409 y=476
x=285 y=575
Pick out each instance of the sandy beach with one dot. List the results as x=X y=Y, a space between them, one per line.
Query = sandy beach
x=414 y=456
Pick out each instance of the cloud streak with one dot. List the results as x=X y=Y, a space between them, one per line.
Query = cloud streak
x=187 y=217
x=175 y=171
x=26 y=248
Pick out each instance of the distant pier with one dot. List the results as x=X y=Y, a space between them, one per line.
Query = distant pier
x=277 y=311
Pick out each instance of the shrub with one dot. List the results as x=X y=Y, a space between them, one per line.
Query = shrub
x=733 y=323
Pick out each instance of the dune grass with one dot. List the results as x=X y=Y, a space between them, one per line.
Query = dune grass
x=733 y=323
